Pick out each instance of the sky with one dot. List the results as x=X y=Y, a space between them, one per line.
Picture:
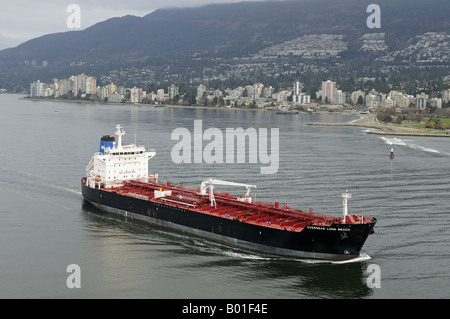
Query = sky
x=22 y=20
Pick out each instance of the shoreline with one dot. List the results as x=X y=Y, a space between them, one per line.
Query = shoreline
x=366 y=120
x=370 y=121
x=293 y=112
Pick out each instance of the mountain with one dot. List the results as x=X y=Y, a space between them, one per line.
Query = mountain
x=7 y=42
x=215 y=31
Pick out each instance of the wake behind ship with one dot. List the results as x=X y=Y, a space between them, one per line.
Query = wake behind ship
x=117 y=181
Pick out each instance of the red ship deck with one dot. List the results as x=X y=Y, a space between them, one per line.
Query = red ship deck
x=257 y=213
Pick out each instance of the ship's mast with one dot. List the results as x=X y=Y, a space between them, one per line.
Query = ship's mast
x=118 y=134
x=345 y=197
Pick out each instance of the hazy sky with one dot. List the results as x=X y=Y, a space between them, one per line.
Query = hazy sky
x=27 y=19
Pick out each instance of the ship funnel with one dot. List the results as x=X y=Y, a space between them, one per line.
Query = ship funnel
x=105 y=143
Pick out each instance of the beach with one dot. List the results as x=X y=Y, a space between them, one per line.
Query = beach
x=371 y=121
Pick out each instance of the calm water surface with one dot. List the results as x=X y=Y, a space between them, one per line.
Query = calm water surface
x=47 y=226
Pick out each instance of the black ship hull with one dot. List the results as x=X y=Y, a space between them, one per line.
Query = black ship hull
x=337 y=242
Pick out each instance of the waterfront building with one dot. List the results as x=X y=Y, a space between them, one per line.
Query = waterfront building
x=91 y=85
x=115 y=98
x=136 y=95
x=356 y=95
x=258 y=89
x=200 y=90
x=375 y=99
x=297 y=95
x=400 y=99
x=172 y=91
x=422 y=100
x=328 y=90
x=103 y=92
x=36 y=89
x=301 y=98
x=49 y=91
x=237 y=93
x=305 y=98
x=65 y=86
x=112 y=88
x=79 y=83
x=268 y=92
x=297 y=88
x=160 y=96
x=339 y=97
x=435 y=102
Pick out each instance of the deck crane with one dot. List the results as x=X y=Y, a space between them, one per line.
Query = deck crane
x=213 y=182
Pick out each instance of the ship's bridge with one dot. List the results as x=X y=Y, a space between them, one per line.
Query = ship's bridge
x=117 y=163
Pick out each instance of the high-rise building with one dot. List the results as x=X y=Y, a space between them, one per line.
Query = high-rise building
x=356 y=95
x=115 y=98
x=200 y=90
x=339 y=97
x=435 y=102
x=173 y=91
x=297 y=88
x=375 y=99
x=160 y=96
x=136 y=95
x=258 y=89
x=305 y=98
x=268 y=92
x=422 y=100
x=91 y=85
x=282 y=96
x=37 y=88
x=301 y=98
x=298 y=96
x=79 y=83
x=112 y=88
x=328 y=90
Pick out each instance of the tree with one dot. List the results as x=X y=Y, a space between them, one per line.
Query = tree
x=415 y=117
x=360 y=100
x=385 y=115
x=176 y=99
x=435 y=124
x=191 y=96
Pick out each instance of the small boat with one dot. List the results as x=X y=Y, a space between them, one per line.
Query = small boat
x=391 y=156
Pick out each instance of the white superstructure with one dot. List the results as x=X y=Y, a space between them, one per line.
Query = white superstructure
x=117 y=163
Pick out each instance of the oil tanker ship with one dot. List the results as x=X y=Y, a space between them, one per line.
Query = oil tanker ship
x=117 y=181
